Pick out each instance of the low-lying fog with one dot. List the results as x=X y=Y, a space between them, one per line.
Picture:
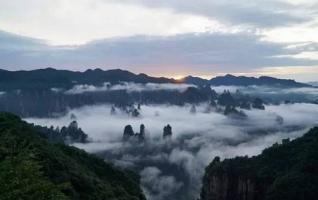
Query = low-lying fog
x=269 y=93
x=274 y=94
x=128 y=86
x=173 y=169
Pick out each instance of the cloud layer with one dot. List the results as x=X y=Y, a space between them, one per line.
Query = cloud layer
x=179 y=165
x=272 y=94
x=73 y=22
x=127 y=86
x=182 y=54
x=244 y=12
x=171 y=38
x=79 y=21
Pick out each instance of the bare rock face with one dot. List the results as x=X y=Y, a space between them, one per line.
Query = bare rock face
x=226 y=188
x=167 y=132
x=285 y=171
x=128 y=132
x=229 y=186
x=142 y=134
x=130 y=135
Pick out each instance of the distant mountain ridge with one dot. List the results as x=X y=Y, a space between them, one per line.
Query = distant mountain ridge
x=263 y=80
x=229 y=79
x=314 y=83
x=52 y=78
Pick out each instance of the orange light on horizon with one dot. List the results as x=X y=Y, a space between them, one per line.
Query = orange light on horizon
x=180 y=76
x=179 y=73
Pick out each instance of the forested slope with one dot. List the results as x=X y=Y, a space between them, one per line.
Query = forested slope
x=33 y=168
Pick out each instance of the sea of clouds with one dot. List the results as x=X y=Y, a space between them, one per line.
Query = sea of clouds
x=175 y=168
x=128 y=86
x=274 y=94
x=267 y=93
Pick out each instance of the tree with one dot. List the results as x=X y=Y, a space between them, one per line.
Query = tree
x=32 y=168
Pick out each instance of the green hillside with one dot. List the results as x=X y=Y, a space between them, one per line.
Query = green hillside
x=287 y=171
x=32 y=168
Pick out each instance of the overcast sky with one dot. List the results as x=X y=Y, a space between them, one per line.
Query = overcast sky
x=172 y=38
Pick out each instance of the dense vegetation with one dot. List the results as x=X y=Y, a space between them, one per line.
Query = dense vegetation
x=67 y=134
x=32 y=168
x=283 y=171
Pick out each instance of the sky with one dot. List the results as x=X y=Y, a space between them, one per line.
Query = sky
x=171 y=38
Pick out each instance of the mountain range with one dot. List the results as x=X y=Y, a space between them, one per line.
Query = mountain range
x=230 y=80
x=52 y=78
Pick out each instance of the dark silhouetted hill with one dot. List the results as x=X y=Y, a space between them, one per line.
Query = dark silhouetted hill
x=33 y=168
x=52 y=78
x=230 y=80
x=261 y=81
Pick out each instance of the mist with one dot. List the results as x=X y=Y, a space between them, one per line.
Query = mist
x=274 y=94
x=178 y=164
x=127 y=86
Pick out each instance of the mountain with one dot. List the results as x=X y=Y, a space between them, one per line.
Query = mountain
x=45 y=92
x=313 y=83
x=45 y=79
x=52 y=78
x=195 y=80
x=261 y=81
x=283 y=171
x=231 y=80
x=33 y=168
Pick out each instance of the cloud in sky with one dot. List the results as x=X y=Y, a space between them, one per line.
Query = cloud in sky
x=204 y=53
x=78 y=21
x=261 y=13
x=170 y=38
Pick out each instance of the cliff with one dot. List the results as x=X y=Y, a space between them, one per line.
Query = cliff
x=286 y=171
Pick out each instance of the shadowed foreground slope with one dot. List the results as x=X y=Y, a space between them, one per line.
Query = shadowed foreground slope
x=288 y=171
x=33 y=168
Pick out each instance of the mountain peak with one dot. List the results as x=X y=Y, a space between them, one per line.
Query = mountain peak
x=195 y=80
x=230 y=76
